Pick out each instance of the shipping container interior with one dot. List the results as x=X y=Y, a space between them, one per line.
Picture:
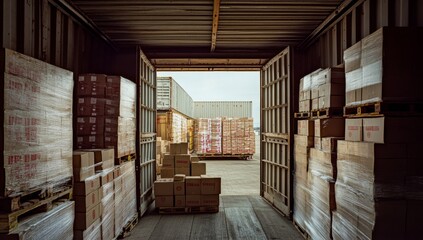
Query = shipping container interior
x=284 y=40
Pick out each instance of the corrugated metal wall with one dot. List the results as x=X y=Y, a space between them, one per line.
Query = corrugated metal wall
x=170 y=95
x=212 y=109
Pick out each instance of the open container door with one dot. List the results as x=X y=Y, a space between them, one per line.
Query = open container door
x=146 y=162
x=275 y=167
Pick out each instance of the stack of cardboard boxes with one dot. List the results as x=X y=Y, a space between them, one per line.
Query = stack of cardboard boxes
x=178 y=161
x=216 y=136
x=187 y=191
x=162 y=147
x=377 y=163
x=106 y=113
x=202 y=137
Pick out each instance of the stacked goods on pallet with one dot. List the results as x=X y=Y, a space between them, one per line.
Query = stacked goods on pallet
x=86 y=196
x=216 y=136
x=172 y=126
x=37 y=125
x=187 y=191
x=303 y=141
x=202 y=137
x=226 y=136
x=56 y=223
x=162 y=147
x=125 y=195
x=378 y=163
x=305 y=94
x=249 y=136
x=178 y=161
x=190 y=129
x=106 y=114
x=237 y=135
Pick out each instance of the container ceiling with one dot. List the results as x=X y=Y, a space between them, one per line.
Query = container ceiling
x=178 y=34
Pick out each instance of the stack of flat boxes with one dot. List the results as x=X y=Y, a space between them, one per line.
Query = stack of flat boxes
x=106 y=113
x=87 y=197
x=305 y=94
x=187 y=191
x=180 y=162
x=379 y=167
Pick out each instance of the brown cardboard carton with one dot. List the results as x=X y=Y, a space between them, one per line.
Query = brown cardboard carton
x=105 y=156
x=89 y=126
x=174 y=148
x=183 y=148
x=180 y=201
x=182 y=161
x=329 y=127
x=209 y=200
x=329 y=144
x=318 y=143
x=83 y=173
x=305 y=106
x=305 y=141
x=195 y=159
x=94 y=232
x=106 y=176
x=90 y=106
x=352 y=57
x=106 y=190
x=306 y=127
x=85 y=203
x=354 y=129
x=353 y=85
x=87 y=186
x=179 y=177
x=193 y=200
x=179 y=188
x=82 y=159
x=315 y=93
x=331 y=101
x=198 y=168
x=163 y=187
x=373 y=130
x=164 y=201
x=307 y=95
x=322 y=162
x=210 y=185
x=332 y=89
x=167 y=172
x=315 y=104
x=193 y=185
x=169 y=161
x=185 y=171
x=84 y=220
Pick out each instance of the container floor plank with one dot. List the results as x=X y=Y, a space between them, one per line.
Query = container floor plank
x=146 y=228
x=242 y=223
x=209 y=227
x=173 y=227
x=236 y=201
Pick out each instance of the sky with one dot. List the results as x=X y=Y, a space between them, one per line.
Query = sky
x=221 y=86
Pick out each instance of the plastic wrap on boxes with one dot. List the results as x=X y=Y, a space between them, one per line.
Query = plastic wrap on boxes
x=91 y=233
x=120 y=136
x=203 y=135
x=322 y=162
x=122 y=92
x=179 y=128
x=37 y=124
x=108 y=214
x=56 y=223
x=226 y=136
x=216 y=136
x=301 y=207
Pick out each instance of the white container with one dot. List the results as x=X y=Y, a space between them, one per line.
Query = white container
x=170 y=95
x=232 y=109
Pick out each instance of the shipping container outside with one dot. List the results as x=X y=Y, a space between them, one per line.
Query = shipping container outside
x=232 y=109
x=170 y=95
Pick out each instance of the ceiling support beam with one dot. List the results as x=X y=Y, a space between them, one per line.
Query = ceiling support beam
x=216 y=10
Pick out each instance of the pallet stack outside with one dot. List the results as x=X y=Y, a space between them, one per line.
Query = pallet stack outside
x=36 y=159
x=378 y=167
x=179 y=161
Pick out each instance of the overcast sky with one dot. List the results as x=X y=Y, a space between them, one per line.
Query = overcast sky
x=221 y=86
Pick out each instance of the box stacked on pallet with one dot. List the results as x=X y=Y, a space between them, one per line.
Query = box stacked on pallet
x=305 y=94
x=86 y=195
x=125 y=195
x=377 y=164
x=303 y=142
x=249 y=136
x=163 y=192
x=216 y=136
x=226 y=136
x=202 y=136
x=37 y=125
x=178 y=161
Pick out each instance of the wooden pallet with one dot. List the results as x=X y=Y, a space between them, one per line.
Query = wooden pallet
x=10 y=221
x=129 y=226
x=127 y=158
x=302 y=115
x=301 y=230
x=187 y=210
x=16 y=201
x=378 y=109
x=327 y=112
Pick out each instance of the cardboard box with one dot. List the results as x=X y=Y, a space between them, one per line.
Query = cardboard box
x=352 y=57
x=90 y=141
x=183 y=148
x=178 y=148
x=179 y=188
x=354 y=129
x=87 y=186
x=82 y=159
x=193 y=200
x=89 y=126
x=82 y=174
x=164 y=201
x=180 y=201
x=163 y=187
x=318 y=143
x=167 y=172
x=193 y=185
x=185 y=171
x=106 y=190
x=305 y=106
x=104 y=156
x=210 y=185
x=169 y=161
x=174 y=148
x=198 y=168
x=106 y=176
x=329 y=127
x=92 y=232
x=331 y=101
x=209 y=200
x=306 y=141
x=329 y=144
x=182 y=161
x=315 y=93
x=179 y=177
x=85 y=203
x=332 y=89
x=306 y=127
x=195 y=159
x=84 y=220
x=373 y=129
x=315 y=104
x=90 y=106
